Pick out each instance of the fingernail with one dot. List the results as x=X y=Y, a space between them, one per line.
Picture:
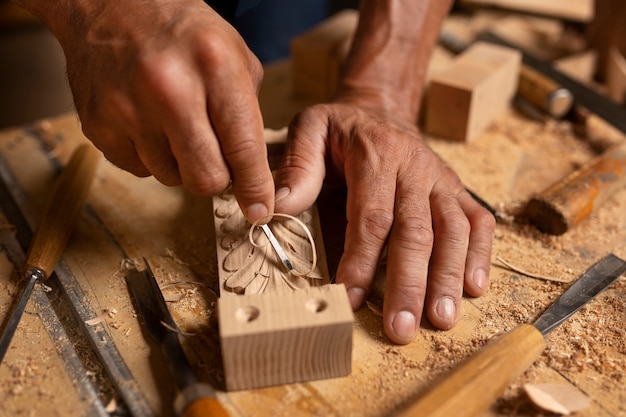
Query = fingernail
x=404 y=324
x=281 y=193
x=446 y=309
x=356 y=296
x=480 y=279
x=256 y=211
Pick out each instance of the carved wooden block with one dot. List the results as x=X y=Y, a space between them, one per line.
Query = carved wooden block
x=476 y=88
x=277 y=327
x=271 y=339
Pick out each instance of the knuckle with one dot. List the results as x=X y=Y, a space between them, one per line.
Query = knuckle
x=378 y=222
x=207 y=185
x=414 y=233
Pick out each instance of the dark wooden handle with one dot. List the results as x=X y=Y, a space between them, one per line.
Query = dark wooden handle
x=205 y=407
x=62 y=210
x=570 y=200
x=478 y=382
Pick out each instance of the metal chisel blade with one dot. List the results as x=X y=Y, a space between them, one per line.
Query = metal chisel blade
x=596 y=279
x=277 y=248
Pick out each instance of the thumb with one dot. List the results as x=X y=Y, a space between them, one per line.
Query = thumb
x=301 y=174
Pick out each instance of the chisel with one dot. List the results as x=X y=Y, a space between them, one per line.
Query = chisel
x=195 y=399
x=54 y=230
x=477 y=383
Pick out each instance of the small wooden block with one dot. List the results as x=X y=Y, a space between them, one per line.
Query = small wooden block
x=318 y=55
x=475 y=89
x=271 y=339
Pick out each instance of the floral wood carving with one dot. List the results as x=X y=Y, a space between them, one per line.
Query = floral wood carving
x=247 y=269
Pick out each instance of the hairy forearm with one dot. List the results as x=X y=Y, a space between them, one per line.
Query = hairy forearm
x=391 y=50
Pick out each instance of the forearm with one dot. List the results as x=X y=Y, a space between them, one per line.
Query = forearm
x=390 y=54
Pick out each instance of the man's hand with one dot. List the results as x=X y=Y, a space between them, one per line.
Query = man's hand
x=400 y=194
x=167 y=88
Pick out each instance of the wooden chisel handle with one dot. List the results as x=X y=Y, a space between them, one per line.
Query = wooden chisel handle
x=205 y=407
x=570 y=200
x=478 y=382
x=62 y=210
x=198 y=400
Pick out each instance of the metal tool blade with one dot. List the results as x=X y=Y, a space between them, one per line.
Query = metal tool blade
x=18 y=311
x=277 y=248
x=152 y=308
x=596 y=279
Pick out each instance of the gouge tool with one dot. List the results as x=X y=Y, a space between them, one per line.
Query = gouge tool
x=477 y=383
x=195 y=399
x=54 y=230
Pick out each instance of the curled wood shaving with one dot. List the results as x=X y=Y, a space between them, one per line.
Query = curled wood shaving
x=514 y=268
x=558 y=398
x=177 y=330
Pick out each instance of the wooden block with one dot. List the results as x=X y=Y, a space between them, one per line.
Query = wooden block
x=616 y=75
x=580 y=66
x=475 y=89
x=276 y=326
x=576 y=10
x=607 y=30
x=271 y=339
x=318 y=55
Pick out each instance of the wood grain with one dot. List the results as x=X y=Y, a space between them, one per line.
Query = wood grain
x=476 y=384
x=463 y=99
x=572 y=199
x=281 y=338
x=62 y=210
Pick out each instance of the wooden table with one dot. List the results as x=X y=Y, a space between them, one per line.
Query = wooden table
x=129 y=218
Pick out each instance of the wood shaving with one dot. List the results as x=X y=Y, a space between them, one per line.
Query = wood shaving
x=558 y=398
x=513 y=268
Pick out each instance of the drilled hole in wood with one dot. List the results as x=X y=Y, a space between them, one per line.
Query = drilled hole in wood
x=247 y=314
x=316 y=306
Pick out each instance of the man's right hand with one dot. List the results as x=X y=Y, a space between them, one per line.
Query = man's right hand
x=167 y=88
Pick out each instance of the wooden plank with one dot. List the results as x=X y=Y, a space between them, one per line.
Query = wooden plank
x=277 y=326
x=477 y=87
x=576 y=10
x=272 y=339
x=317 y=55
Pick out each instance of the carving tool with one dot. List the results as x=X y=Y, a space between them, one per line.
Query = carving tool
x=473 y=386
x=54 y=230
x=573 y=198
x=277 y=248
x=534 y=88
x=195 y=399
x=599 y=104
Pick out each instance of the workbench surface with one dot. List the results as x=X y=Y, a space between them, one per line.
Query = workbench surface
x=130 y=218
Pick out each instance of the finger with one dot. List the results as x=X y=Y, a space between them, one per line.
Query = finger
x=119 y=150
x=447 y=264
x=478 y=262
x=236 y=118
x=301 y=174
x=369 y=212
x=409 y=251
x=186 y=149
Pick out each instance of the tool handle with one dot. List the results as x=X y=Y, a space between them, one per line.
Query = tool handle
x=477 y=383
x=205 y=407
x=198 y=400
x=62 y=210
x=573 y=198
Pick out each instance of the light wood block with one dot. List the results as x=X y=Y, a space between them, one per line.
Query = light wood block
x=318 y=55
x=271 y=339
x=576 y=10
x=474 y=90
